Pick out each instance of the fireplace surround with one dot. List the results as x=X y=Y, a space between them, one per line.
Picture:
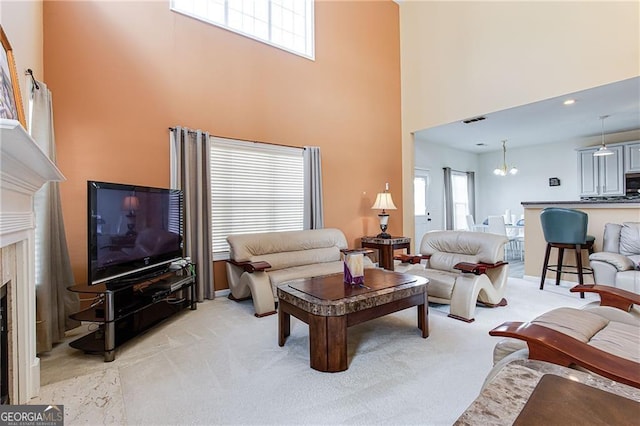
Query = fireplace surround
x=24 y=169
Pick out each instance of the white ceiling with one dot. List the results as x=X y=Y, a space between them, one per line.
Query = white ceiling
x=547 y=121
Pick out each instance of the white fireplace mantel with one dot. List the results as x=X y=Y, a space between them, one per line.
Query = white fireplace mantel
x=24 y=168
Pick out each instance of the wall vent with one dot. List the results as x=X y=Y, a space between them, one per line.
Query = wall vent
x=474 y=119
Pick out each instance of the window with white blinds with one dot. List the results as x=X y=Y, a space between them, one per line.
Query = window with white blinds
x=286 y=24
x=255 y=187
x=176 y=220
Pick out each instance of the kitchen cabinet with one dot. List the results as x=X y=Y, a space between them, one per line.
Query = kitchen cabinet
x=632 y=157
x=601 y=176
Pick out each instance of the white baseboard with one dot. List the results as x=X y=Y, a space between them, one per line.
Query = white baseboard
x=531 y=278
x=222 y=293
x=552 y=281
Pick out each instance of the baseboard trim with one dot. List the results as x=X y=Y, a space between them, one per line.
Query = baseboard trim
x=222 y=293
x=552 y=281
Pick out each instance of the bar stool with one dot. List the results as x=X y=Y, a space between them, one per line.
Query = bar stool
x=565 y=229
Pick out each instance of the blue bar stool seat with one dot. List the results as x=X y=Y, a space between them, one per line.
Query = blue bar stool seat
x=565 y=229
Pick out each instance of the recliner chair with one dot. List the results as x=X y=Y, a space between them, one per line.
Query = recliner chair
x=618 y=264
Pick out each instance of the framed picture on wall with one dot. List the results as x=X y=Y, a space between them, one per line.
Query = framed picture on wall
x=10 y=99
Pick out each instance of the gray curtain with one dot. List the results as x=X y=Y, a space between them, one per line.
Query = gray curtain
x=190 y=166
x=313 y=209
x=471 y=192
x=54 y=303
x=448 y=199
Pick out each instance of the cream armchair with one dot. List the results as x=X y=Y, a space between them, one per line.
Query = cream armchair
x=617 y=265
x=463 y=268
x=603 y=338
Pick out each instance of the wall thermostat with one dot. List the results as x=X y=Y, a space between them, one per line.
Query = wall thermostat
x=554 y=181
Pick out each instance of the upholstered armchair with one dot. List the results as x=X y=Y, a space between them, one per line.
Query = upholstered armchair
x=463 y=268
x=618 y=264
x=603 y=338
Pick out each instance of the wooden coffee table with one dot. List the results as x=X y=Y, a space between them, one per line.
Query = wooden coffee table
x=329 y=307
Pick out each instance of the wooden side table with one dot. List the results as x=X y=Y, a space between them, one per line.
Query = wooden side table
x=385 y=247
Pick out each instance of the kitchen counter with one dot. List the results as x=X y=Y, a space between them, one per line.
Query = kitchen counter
x=623 y=203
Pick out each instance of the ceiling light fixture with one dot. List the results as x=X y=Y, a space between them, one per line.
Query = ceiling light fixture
x=603 y=150
x=504 y=169
x=569 y=102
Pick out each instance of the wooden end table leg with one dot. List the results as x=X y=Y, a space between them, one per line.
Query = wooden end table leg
x=423 y=318
x=386 y=257
x=284 y=324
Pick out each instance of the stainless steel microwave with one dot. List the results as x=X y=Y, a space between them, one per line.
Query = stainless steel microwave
x=632 y=183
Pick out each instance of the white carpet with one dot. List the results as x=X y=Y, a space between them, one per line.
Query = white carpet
x=221 y=365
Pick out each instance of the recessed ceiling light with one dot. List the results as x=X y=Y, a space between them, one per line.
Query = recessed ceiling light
x=569 y=102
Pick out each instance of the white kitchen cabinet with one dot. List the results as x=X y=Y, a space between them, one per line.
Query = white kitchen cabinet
x=632 y=157
x=601 y=176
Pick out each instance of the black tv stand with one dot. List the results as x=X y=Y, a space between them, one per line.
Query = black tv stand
x=127 y=309
x=141 y=277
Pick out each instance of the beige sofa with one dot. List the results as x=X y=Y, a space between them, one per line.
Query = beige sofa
x=260 y=262
x=618 y=264
x=463 y=268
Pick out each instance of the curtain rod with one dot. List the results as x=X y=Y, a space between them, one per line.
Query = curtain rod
x=30 y=73
x=458 y=171
x=244 y=140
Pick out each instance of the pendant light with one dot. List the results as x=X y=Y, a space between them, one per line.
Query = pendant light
x=504 y=169
x=603 y=150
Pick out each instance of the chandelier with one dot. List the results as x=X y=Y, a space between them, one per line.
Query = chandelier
x=504 y=169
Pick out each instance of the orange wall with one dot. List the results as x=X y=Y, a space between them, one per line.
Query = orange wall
x=121 y=73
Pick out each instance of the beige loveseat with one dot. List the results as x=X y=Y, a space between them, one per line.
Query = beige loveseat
x=463 y=268
x=260 y=262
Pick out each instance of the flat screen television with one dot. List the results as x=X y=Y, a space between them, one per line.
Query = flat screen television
x=134 y=231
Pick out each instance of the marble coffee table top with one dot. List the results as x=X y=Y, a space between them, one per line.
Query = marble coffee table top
x=386 y=241
x=380 y=287
x=504 y=397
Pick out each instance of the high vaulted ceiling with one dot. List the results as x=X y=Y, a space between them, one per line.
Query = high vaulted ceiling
x=547 y=121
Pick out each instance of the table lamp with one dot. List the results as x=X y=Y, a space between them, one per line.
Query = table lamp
x=384 y=202
x=131 y=204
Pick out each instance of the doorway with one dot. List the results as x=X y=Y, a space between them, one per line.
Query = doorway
x=423 y=204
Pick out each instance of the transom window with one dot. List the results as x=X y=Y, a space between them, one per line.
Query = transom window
x=287 y=24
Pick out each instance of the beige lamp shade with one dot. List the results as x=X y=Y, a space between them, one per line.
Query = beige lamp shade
x=383 y=202
x=130 y=203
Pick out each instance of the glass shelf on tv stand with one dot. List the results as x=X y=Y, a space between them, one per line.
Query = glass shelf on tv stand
x=126 y=310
